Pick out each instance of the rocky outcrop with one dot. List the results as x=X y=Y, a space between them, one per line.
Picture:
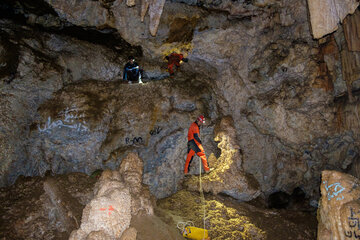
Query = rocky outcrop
x=112 y=14
x=351 y=31
x=339 y=206
x=281 y=88
x=42 y=66
x=119 y=195
x=325 y=15
x=79 y=125
x=44 y=208
x=94 y=125
x=228 y=176
x=64 y=207
x=51 y=207
x=129 y=234
x=109 y=212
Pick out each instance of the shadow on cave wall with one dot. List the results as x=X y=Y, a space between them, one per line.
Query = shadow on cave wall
x=19 y=12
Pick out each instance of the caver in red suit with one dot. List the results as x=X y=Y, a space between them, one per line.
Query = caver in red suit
x=174 y=59
x=194 y=145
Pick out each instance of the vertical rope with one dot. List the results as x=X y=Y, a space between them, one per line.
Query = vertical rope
x=202 y=196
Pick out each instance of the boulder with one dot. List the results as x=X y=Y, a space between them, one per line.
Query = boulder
x=339 y=210
x=129 y=234
x=325 y=15
x=44 y=208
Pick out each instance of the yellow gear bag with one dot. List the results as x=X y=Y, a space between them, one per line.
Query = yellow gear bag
x=195 y=233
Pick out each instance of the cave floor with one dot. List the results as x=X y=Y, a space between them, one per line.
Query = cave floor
x=27 y=212
x=228 y=219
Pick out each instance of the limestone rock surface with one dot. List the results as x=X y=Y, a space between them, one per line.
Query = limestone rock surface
x=129 y=234
x=44 y=208
x=325 y=15
x=145 y=225
x=63 y=109
x=339 y=206
x=115 y=202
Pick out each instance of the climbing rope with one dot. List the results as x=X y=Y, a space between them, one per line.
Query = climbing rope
x=182 y=225
x=202 y=196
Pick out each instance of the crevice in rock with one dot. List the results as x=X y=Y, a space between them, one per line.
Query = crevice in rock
x=295 y=201
x=38 y=7
x=10 y=59
x=108 y=37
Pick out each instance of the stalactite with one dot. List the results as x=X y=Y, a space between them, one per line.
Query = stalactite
x=155 y=10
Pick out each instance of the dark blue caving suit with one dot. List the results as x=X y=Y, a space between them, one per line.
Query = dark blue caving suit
x=131 y=72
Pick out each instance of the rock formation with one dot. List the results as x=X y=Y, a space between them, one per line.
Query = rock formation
x=275 y=98
x=228 y=176
x=119 y=195
x=44 y=208
x=63 y=106
x=352 y=31
x=339 y=206
x=325 y=15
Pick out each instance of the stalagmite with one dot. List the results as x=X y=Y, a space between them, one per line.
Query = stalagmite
x=326 y=14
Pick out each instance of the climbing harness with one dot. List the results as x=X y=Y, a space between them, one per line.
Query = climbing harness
x=187 y=228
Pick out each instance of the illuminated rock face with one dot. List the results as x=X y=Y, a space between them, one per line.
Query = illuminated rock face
x=325 y=15
x=339 y=206
x=228 y=176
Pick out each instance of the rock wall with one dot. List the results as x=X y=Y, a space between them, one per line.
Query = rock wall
x=55 y=119
x=352 y=31
x=256 y=63
x=44 y=208
x=228 y=176
x=325 y=15
x=339 y=206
